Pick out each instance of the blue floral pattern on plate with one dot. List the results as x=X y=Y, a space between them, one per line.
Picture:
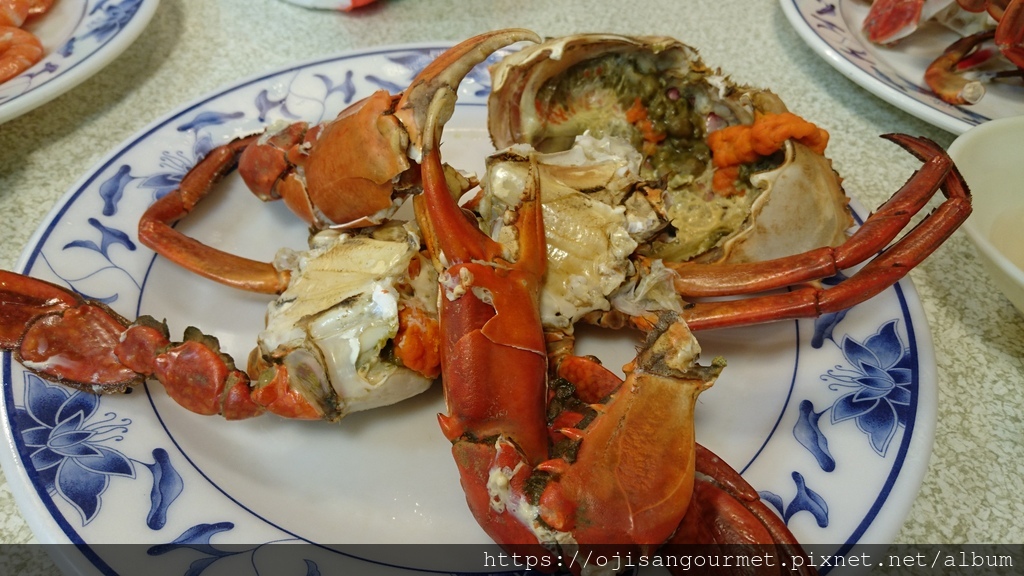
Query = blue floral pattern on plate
x=880 y=390
x=71 y=450
x=223 y=491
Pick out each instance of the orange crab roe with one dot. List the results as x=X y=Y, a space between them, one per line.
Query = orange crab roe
x=746 y=143
x=417 y=343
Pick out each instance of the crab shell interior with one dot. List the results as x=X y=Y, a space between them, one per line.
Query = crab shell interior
x=799 y=203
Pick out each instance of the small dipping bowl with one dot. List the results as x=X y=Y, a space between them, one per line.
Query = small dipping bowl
x=991 y=158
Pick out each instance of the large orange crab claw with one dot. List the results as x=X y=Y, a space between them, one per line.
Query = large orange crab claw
x=631 y=477
x=344 y=173
x=626 y=474
x=489 y=317
x=352 y=171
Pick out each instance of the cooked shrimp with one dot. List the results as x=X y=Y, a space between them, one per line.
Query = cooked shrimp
x=19 y=50
x=14 y=12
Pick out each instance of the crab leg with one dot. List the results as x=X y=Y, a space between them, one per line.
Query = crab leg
x=85 y=345
x=155 y=228
x=887 y=268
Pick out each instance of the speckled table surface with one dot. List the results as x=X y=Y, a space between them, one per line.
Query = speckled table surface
x=972 y=490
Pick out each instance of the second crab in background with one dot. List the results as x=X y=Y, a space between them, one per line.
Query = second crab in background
x=991 y=47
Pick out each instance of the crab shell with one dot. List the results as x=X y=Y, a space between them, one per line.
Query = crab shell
x=797 y=199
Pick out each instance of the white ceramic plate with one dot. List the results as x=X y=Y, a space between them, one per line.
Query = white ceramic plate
x=387 y=475
x=80 y=38
x=896 y=75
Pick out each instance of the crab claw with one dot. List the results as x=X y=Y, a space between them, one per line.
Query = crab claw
x=632 y=477
x=943 y=75
x=1010 y=33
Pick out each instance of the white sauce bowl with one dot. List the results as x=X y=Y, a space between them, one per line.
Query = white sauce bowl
x=991 y=159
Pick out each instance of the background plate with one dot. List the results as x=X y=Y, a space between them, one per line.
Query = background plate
x=80 y=38
x=833 y=30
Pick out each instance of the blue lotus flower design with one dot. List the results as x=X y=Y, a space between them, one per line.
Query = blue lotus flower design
x=880 y=381
x=66 y=447
x=69 y=453
x=878 y=395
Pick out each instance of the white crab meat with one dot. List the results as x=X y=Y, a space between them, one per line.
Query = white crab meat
x=588 y=240
x=332 y=325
